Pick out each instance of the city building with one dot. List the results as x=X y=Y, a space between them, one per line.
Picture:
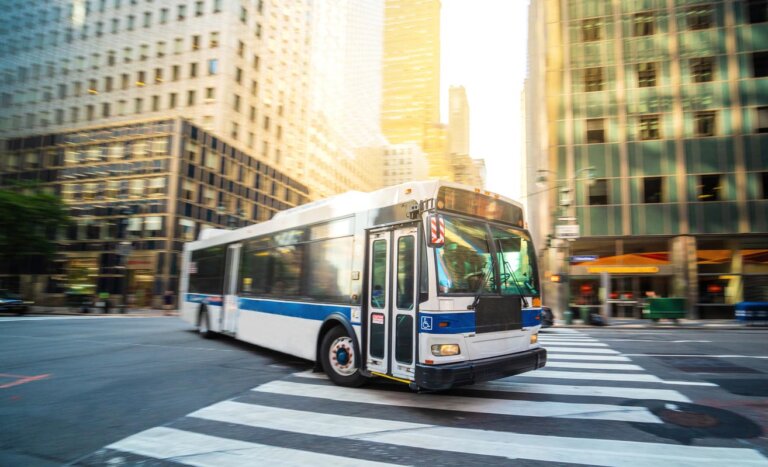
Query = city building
x=268 y=79
x=465 y=169
x=410 y=109
x=404 y=163
x=136 y=192
x=647 y=128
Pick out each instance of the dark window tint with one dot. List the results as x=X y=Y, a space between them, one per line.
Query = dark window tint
x=758 y=11
x=646 y=75
x=595 y=130
x=406 y=273
x=653 y=190
x=591 y=29
x=379 y=274
x=404 y=339
x=699 y=17
x=649 y=127
x=760 y=64
x=702 y=69
x=593 y=79
x=643 y=24
x=764 y=180
x=206 y=270
x=762 y=120
x=704 y=123
x=598 y=192
x=709 y=187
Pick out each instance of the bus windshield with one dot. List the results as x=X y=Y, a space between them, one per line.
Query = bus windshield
x=465 y=264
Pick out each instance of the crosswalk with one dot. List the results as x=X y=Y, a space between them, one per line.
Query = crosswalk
x=585 y=407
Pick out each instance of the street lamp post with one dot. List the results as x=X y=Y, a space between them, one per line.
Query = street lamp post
x=566 y=227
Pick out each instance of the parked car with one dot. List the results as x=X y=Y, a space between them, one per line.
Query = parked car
x=547 y=319
x=12 y=303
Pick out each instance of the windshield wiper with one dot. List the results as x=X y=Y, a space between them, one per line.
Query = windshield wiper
x=508 y=270
x=488 y=271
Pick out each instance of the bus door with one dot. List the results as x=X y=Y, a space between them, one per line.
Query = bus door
x=231 y=308
x=392 y=299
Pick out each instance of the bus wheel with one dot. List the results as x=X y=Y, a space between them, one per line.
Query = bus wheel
x=203 y=325
x=337 y=354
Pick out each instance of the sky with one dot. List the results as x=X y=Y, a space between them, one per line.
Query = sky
x=483 y=48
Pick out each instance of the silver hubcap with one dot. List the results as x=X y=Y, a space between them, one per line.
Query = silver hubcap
x=342 y=356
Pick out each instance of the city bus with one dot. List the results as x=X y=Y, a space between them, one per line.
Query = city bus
x=431 y=284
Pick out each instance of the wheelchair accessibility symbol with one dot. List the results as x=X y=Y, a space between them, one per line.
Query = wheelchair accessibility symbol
x=426 y=323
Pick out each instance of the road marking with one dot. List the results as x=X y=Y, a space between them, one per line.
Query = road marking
x=581 y=350
x=575 y=344
x=464 y=404
x=568 y=450
x=601 y=358
x=589 y=391
x=656 y=340
x=595 y=366
x=694 y=355
x=479 y=442
x=299 y=421
x=20 y=379
x=638 y=378
x=204 y=450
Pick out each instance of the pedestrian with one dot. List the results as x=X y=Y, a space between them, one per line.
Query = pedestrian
x=168 y=302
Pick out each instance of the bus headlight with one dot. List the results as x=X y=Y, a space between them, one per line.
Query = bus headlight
x=534 y=338
x=444 y=350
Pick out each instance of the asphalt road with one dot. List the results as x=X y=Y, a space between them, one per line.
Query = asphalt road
x=126 y=390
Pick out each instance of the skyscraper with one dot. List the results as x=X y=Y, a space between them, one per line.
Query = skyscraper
x=647 y=121
x=411 y=79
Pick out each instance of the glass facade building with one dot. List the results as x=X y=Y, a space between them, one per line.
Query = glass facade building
x=652 y=140
x=135 y=193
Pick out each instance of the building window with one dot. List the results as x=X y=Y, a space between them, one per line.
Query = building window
x=653 y=190
x=155 y=103
x=172 y=100
x=210 y=93
x=141 y=79
x=190 y=98
x=175 y=72
x=592 y=29
x=699 y=17
x=704 y=123
x=163 y=15
x=702 y=69
x=193 y=70
x=649 y=127
x=598 y=192
x=646 y=75
x=709 y=187
x=147 y=19
x=758 y=11
x=236 y=103
x=643 y=24
x=760 y=64
x=181 y=12
x=199 y=8
x=213 y=66
x=216 y=6
x=593 y=79
x=764 y=180
x=196 y=42
x=762 y=119
x=214 y=39
x=238 y=75
x=158 y=75
x=138 y=105
x=595 y=130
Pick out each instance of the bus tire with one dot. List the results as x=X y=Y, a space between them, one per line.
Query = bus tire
x=204 y=324
x=340 y=363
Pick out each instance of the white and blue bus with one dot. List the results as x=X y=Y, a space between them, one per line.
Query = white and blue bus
x=432 y=284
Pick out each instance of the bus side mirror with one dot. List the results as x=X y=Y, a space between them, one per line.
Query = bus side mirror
x=436 y=231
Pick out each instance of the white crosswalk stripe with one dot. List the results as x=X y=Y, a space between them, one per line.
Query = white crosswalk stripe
x=582 y=385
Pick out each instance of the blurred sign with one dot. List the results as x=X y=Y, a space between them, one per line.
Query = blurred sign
x=583 y=258
x=567 y=231
x=623 y=269
x=124 y=248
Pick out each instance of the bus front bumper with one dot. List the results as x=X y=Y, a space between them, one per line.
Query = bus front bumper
x=439 y=377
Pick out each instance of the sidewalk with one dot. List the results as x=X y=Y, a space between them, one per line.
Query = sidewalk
x=635 y=323
x=94 y=311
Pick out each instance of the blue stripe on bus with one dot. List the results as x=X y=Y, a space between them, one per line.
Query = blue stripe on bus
x=312 y=311
x=446 y=323
x=203 y=298
x=531 y=317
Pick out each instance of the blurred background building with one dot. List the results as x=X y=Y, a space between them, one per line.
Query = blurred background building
x=646 y=126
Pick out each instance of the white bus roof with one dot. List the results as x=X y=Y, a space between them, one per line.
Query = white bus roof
x=343 y=205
